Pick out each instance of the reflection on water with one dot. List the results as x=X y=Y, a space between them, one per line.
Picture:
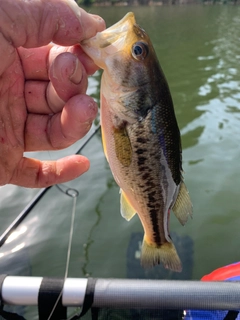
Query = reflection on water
x=220 y=92
x=198 y=48
x=213 y=142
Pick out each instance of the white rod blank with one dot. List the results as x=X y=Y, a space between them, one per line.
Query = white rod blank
x=24 y=291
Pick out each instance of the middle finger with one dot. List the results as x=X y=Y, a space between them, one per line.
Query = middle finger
x=67 y=79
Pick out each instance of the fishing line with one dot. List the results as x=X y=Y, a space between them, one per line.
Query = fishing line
x=73 y=193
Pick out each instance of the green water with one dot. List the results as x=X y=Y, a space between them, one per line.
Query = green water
x=198 y=48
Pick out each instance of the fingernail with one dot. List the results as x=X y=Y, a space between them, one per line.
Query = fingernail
x=83 y=163
x=99 y=20
x=92 y=110
x=77 y=74
x=87 y=126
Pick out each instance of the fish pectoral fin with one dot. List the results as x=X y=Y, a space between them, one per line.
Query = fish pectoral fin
x=183 y=207
x=127 y=210
x=123 y=146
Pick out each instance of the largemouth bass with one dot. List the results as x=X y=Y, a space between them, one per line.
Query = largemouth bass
x=140 y=135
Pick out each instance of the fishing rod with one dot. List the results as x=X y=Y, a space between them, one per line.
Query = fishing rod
x=24 y=213
x=126 y=293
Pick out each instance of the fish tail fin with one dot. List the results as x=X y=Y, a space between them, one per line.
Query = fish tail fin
x=165 y=254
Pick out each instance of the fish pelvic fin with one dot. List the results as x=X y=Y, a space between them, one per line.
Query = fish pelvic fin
x=127 y=211
x=183 y=207
x=165 y=254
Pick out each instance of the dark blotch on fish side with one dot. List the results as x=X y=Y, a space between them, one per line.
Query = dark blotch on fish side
x=141 y=151
x=142 y=140
x=152 y=194
x=150 y=183
x=146 y=176
x=149 y=188
x=141 y=160
x=143 y=168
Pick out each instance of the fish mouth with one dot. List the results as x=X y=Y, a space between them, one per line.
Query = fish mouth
x=110 y=40
x=112 y=34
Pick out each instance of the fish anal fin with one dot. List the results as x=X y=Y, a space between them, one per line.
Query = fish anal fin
x=183 y=207
x=127 y=211
x=165 y=254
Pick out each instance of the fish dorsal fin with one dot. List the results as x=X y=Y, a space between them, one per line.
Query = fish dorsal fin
x=127 y=210
x=183 y=207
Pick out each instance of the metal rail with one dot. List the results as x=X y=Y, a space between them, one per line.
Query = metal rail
x=123 y=293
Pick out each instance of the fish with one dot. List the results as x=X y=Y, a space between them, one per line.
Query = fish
x=141 y=138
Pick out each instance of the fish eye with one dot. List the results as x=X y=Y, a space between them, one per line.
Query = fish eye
x=140 y=50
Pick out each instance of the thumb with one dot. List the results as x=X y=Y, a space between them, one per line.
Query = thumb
x=33 y=173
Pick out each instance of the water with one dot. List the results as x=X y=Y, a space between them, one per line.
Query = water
x=198 y=48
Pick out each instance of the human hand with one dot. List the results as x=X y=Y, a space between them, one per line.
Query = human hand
x=43 y=101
